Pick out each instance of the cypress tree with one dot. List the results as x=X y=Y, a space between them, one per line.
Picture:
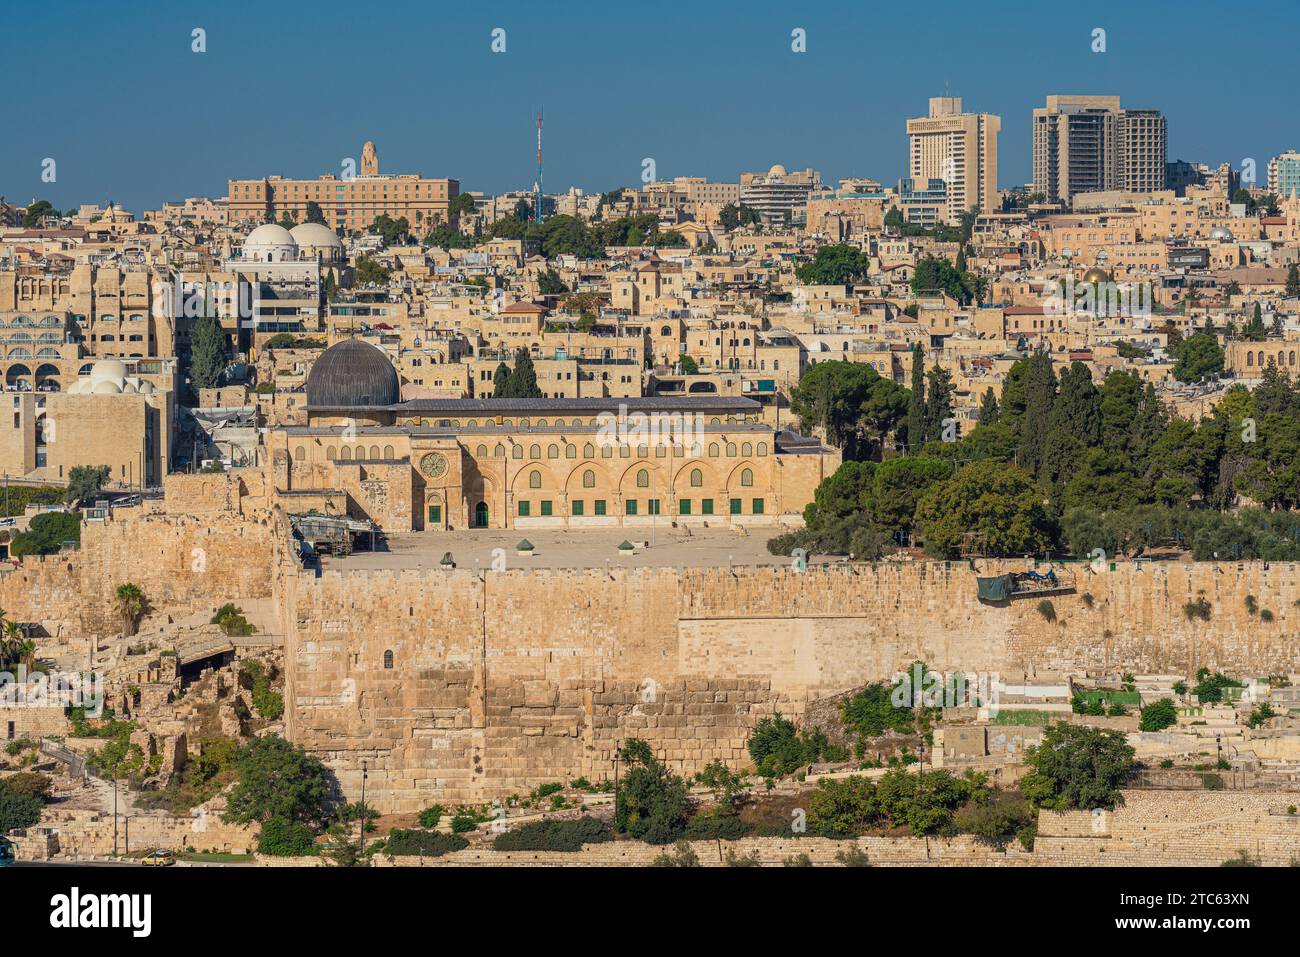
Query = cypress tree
x=523 y=381
x=501 y=382
x=989 y=408
x=916 y=404
x=207 y=353
x=938 y=403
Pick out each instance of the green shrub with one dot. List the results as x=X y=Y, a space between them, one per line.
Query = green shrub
x=1211 y=782
x=554 y=835
x=232 y=621
x=284 y=838
x=407 y=843
x=716 y=827
x=430 y=816
x=652 y=803
x=1209 y=688
x=778 y=748
x=1158 y=715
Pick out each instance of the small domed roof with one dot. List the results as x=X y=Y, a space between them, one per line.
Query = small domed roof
x=777 y=170
x=107 y=369
x=1221 y=233
x=352 y=373
x=1096 y=274
x=270 y=242
x=270 y=234
x=105 y=387
x=315 y=234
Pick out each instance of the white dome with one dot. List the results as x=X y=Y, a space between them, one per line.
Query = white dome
x=777 y=170
x=1221 y=233
x=146 y=388
x=315 y=234
x=270 y=242
x=315 y=238
x=108 y=370
x=105 y=387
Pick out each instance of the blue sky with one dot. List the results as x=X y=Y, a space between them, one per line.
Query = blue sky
x=112 y=91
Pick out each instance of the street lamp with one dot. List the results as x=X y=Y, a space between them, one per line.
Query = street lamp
x=364 y=774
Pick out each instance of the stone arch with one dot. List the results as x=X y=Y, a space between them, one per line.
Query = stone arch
x=735 y=477
x=575 y=486
x=522 y=484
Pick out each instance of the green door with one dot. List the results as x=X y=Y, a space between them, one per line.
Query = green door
x=481 y=515
x=435 y=515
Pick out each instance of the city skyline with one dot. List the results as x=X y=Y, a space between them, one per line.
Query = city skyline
x=317 y=106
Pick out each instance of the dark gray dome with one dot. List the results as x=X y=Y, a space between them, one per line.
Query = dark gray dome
x=349 y=374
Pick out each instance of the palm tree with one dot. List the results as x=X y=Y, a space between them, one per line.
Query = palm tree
x=26 y=650
x=130 y=605
x=12 y=636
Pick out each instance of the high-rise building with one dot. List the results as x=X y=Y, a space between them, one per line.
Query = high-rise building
x=1087 y=144
x=348 y=203
x=1284 y=174
x=959 y=148
x=1143 y=146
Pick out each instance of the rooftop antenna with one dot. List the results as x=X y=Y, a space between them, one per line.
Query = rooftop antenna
x=537 y=187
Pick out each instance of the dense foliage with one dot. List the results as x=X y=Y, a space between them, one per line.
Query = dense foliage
x=1077 y=768
x=1060 y=462
x=554 y=835
x=652 y=803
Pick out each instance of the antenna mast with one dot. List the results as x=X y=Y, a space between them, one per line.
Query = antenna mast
x=537 y=187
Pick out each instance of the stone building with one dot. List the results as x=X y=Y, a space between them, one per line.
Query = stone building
x=519 y=463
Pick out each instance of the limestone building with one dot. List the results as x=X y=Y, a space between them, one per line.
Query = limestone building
x=520 y=463
x=349 y=202
x=959 y=148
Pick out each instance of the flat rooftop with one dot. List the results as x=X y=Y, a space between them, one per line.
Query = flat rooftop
x=576 y=548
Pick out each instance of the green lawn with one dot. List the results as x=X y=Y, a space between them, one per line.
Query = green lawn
x=198 y=857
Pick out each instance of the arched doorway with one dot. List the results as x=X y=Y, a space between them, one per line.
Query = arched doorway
x=481 y=515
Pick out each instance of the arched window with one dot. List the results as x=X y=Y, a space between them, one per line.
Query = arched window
x=746 y=477
x=713 y=450
x=299 y=453
x=570 y=451
x=589 y=479
x=762 y=448
x=697 y=478
x=588 y=451
x=731 y=450
x=388 y=660
x=345 y=454
x=541 y=422
x=1250 y=359
x=746 y=450
x=666 y=331
x=374 y=451
x=534 y=451
x=552 y=451
x=643 y=479
x=535 y=479
x=641 y=451
x=517 y=452
x=499 y=451
x=330 y=453
x=481 y=452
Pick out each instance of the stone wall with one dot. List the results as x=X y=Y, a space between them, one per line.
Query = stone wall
x=182 y=563
x=459 y=686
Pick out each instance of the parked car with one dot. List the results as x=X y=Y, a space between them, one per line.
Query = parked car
x=159 y=858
